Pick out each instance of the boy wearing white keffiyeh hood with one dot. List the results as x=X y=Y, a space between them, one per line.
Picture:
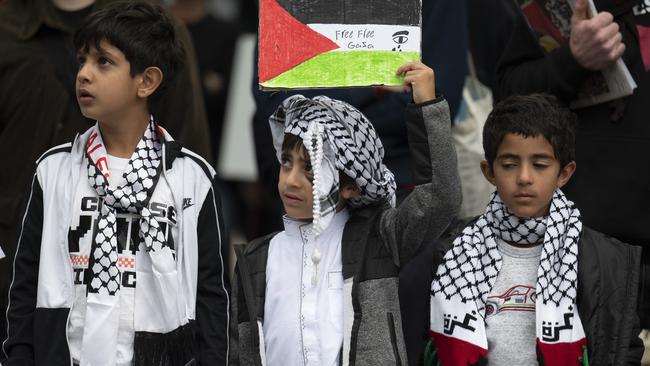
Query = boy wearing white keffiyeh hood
x=526 y=283
x=120 y=256
x=324 y=291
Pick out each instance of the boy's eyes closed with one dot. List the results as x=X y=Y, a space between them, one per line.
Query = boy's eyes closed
x=542 y=162
x=537 y=165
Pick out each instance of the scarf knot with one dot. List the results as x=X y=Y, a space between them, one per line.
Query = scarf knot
x=512 y=228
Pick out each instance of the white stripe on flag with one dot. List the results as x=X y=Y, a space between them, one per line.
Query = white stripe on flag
x=371 y=37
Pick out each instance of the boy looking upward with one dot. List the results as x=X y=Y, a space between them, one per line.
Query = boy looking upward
x=526 y=283
x=121 y=207
x=39 y=107
x=325 y=290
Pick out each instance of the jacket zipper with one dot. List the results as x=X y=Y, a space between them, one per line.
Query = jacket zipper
x=67 y=321
x=74 y=290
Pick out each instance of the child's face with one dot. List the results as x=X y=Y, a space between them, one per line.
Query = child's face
x=526 y=174
x=295 y=184
x=106 y=91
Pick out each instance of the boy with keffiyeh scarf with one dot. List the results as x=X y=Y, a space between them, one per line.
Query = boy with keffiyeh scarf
x=526 y=283
x=120 y=256
x=324 y=291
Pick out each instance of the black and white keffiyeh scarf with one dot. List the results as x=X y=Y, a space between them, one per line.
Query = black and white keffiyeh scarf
x=130 y=195
x=469 y=270
x=337 y=137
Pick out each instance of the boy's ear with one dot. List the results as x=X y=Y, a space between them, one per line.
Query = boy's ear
x=487 y=172
x=349 y=190
x=150 y=80
x=565 y=174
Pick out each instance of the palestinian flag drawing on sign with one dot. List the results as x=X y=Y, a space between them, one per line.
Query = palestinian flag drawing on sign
x=335 y=43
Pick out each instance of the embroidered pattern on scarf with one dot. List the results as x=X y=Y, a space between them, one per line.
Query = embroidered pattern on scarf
x=469 y=270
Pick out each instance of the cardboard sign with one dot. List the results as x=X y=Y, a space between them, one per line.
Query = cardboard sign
x=336 y=43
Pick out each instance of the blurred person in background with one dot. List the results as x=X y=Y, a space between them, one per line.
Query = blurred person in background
x=214 y=41
x=489 y=24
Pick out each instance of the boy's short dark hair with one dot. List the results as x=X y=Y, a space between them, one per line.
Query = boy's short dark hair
x=530 y=116
x=292 y=142
x=143 y=31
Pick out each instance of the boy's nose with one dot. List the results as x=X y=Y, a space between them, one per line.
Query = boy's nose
x=83 y=75
x=293 y=178
x=525 y=175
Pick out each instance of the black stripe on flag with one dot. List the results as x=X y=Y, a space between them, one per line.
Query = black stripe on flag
x=390 y=12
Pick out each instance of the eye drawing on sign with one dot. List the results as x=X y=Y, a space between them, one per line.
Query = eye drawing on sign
x=400 y=38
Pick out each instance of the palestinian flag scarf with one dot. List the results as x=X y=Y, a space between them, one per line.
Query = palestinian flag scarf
x=469 y=270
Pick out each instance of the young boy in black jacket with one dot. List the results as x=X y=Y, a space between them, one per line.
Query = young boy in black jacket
x=325 y=290
x=120 y=255
x=527 y=282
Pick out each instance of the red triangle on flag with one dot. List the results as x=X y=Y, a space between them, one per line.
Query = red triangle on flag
x=285 y=42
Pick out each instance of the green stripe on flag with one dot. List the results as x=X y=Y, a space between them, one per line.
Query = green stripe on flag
x=345 y=68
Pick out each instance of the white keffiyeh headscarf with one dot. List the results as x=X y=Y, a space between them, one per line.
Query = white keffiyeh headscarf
x=337 y=138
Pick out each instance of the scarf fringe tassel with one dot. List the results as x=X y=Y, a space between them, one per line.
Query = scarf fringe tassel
x=176 y=348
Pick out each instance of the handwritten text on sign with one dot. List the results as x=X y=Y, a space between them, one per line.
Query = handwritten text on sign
x=355 y=37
